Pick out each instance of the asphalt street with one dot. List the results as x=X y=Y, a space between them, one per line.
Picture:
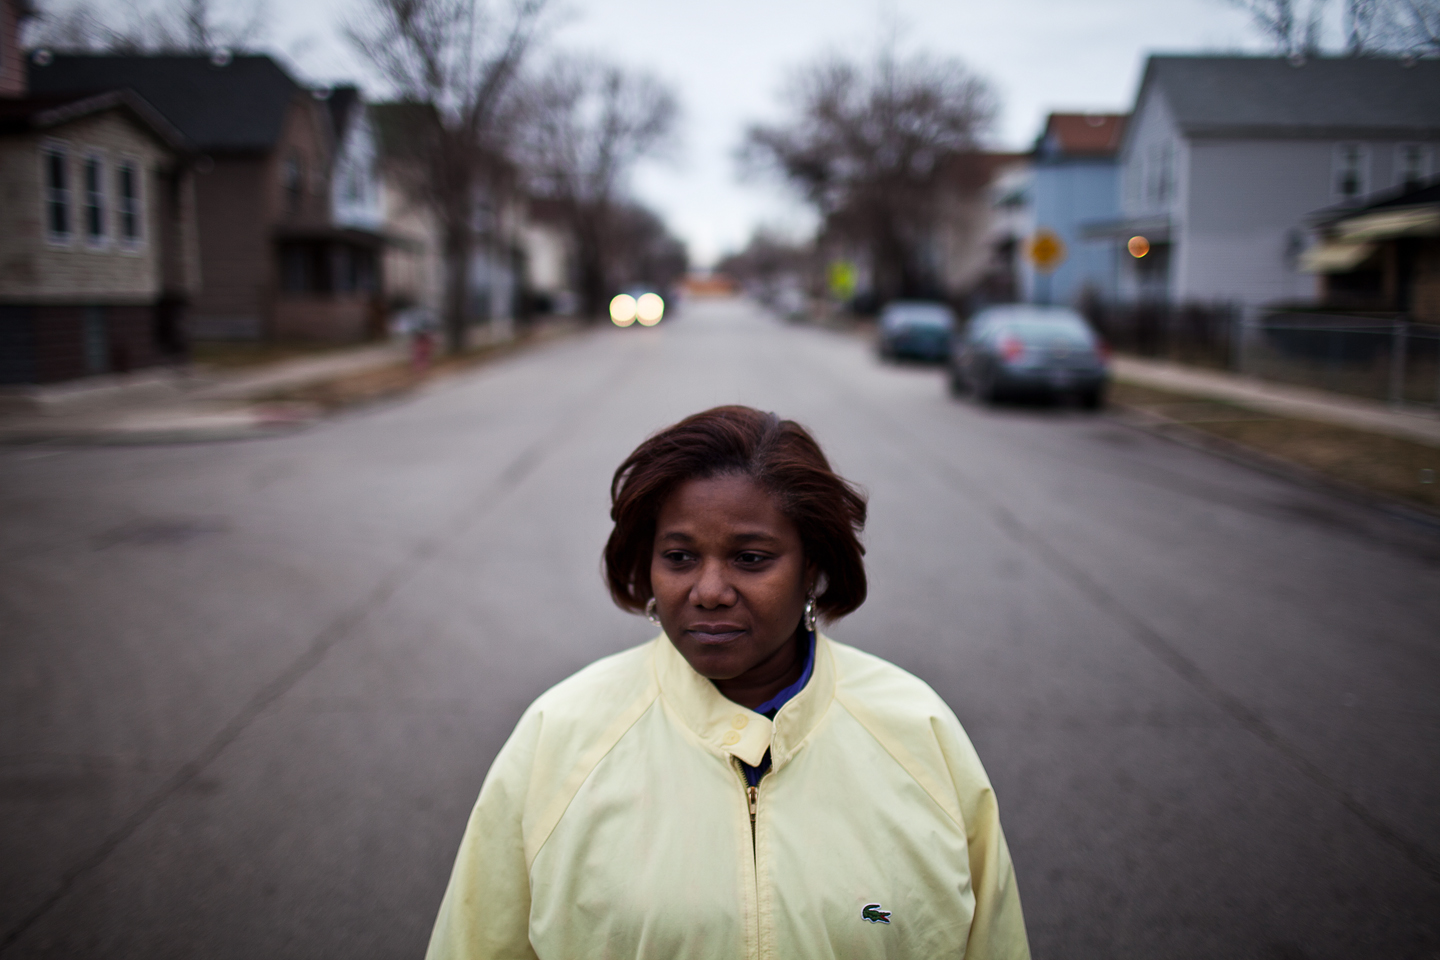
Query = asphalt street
x=249 y=690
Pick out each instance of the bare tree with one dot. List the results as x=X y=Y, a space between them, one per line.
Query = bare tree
x=643 y=251
x=1370 y=26
x=170 y=26
x=868 y=144
x=587 y=124
x=1409 y=26
x=1293 y=26
x=769 y=260
x=460 y=61
x=1361 y=23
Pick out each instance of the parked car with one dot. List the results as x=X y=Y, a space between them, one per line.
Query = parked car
x=916 y=328
x=1022 y=349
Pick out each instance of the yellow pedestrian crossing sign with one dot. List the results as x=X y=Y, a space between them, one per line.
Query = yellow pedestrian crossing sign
x=1046 y=250
x=842 y=279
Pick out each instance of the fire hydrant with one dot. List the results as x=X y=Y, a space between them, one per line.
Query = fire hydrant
x=422 y=348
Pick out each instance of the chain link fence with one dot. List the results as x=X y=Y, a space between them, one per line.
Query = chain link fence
x=1387 y=359
x=1201 y=335
x=1383 y=358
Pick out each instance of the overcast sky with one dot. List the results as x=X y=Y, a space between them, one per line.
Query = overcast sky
x=728 y=61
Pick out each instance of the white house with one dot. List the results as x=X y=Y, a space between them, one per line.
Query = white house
x=1227 y=157
x=355 y=186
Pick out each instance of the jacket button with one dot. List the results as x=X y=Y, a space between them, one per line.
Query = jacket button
x=732 y=738
x=739 y=722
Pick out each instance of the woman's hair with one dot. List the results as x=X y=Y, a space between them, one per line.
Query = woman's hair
x=780 y=456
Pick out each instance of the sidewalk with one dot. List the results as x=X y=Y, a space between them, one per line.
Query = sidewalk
x=1281 y=399
x=184 y=404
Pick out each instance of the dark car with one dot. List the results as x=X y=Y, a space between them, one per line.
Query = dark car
x=917 y=329
x=1024 y=350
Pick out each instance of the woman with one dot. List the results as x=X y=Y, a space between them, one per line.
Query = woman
x=741 y=786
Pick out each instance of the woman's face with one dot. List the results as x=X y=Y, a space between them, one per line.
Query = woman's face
x=730 y=582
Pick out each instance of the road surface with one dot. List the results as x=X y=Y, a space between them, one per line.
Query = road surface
x=248 y=691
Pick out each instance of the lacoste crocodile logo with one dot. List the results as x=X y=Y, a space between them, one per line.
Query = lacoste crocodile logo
x=874 y=914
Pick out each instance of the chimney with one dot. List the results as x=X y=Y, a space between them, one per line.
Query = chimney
x=12 y=58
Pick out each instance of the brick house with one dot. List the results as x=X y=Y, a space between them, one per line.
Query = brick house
x=12 y=58
x=275 y=263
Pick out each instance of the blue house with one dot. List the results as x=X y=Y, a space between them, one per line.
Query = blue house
x=1076 y=181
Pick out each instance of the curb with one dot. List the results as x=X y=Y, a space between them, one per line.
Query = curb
x=172 y=426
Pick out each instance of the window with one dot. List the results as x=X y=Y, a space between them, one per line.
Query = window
x=1160 y=174
x=96 y=338
x=127 y=201
x=1410 y=165
x=56 y=162
x=1350 y=170
x=292 y=181
x=94 y=181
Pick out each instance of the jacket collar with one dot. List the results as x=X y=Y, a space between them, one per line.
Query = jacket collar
x=728 y=728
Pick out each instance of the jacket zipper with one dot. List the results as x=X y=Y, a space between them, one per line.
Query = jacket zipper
x=752 y=801
x=752 y=798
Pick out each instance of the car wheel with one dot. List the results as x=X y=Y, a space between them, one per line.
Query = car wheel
x=1092 y=399
x=958 y=386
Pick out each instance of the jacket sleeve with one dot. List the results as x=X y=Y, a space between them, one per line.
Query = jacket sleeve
x=997 y=931
x=485 y=914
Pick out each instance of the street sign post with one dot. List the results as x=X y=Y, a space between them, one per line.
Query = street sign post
x=1046 y=251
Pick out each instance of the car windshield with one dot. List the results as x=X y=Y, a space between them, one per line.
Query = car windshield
x=1057 y=331
x=917 y=316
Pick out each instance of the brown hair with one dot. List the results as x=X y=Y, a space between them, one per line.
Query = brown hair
x=778 y=455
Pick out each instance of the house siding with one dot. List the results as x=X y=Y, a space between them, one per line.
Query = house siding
x=1067 y=194
x=35 y=270
x=241 y=200
x=12 y=58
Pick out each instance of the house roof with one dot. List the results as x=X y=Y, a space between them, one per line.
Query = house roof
x=222 y=105
x=1277 y=97
x=26 y=114
x=1082 y=135
x=1395 y=206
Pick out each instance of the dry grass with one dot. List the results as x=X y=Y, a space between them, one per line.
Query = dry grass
x=394 y=379
x=1385 y=465
x=238 y=355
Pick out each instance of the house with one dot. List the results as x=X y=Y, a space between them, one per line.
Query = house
x=1225 y=159
x=356 y=188
x=971 y=249
x=548 y=244
x=12 y=58
x=275 y=262
x=1074 y=181
x=98 y=251
x=413 y=271
x=1383 y=257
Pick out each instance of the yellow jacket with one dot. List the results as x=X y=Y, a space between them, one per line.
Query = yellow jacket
x=615 y=823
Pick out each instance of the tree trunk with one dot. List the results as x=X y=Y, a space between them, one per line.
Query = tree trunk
x=458 y=246
x=590 y=252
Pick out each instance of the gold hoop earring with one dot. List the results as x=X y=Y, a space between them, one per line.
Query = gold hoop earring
x=650 y=612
